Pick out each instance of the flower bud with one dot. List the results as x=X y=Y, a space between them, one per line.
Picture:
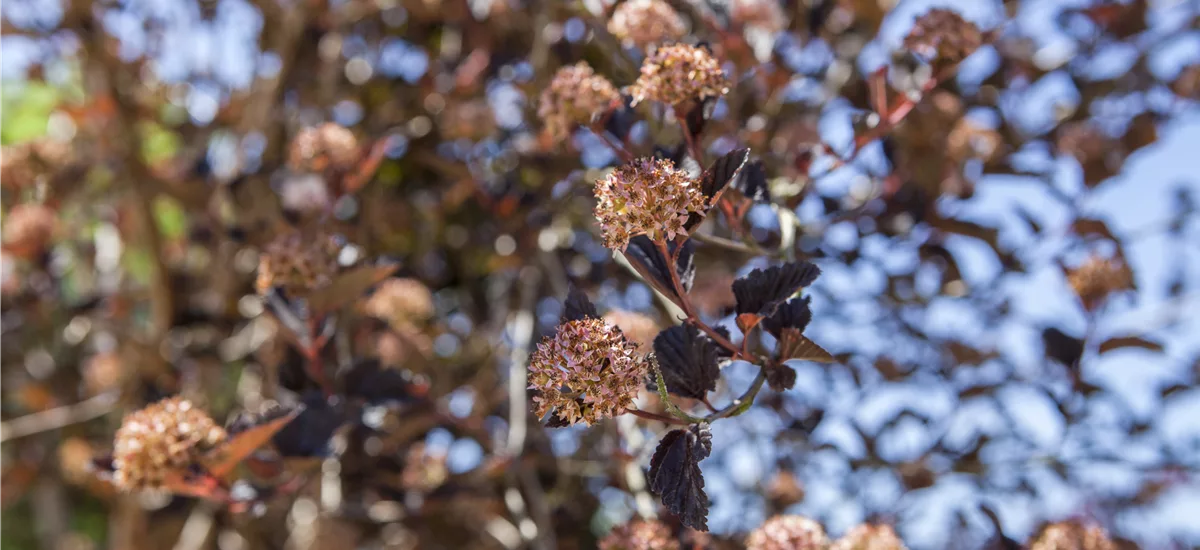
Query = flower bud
x=788 y=533
x=159 y=439
x=646 y=196
x=587 y=371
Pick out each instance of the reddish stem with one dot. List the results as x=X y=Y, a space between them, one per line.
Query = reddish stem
x=685 y=303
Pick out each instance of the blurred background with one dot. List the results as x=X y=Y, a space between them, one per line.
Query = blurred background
x=1009 y=278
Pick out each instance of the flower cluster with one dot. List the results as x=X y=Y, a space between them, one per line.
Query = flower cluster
x=869 y=537
x=587 y=371
x=640 y=534
x=575 y=95
x=788 y=533
x=642 y=23
x=298 y=262
x=679 y=73
x=1098 y=277
x=401 y=302
x=646 y=196
x=29 y=229
x=161 y=438
x=328 y=146
x=1072 y=535
x=943 y=35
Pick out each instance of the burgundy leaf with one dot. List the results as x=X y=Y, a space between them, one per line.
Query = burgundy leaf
x=794 y=345
x=714 y=180
x=752 y=182
x=577 y=306
x=688 y=360
x=762 y=291
x=650 y=263
x=675 y=474
x=795 y=313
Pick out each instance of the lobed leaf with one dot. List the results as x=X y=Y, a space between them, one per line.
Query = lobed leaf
x=675 y=474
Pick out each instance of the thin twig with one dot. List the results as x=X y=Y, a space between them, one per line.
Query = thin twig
x=59 y=417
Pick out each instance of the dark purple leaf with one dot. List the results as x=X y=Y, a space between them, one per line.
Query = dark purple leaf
x=795 y=313
x=1062 y=347
x=675 y=474
x=651 y=264
x=577 y=306
x=780 y=377
x=622 y=119
x=718 y=175
x=699 y=115
x=688 y=360
x=762 y=291
x=372 y=382
x=752 y=182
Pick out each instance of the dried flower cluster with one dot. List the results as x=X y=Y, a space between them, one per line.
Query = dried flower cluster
x=470 y=120
x=640 y=534
x=943 y=35
x=161 y=438
x=575 y=95
x=638 y=327
x=643 y=23
x=1072 y=535
x=587 y=371
x=297 y=262
x=401 y=301
x=646 y=197
x=788 y=533
x=328 y=146
x=679 y=73
x=869 y=537
x=1098 y=277
x=29 y=229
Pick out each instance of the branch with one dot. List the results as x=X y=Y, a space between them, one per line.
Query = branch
x=59 y=417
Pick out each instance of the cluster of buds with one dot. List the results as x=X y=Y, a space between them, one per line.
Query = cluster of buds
x=870 y=537
x=29 y=229
x=587 y=371
x=640 y=534
x=646 y=197
x=679 y=73
x=1098 y=277
x=788 y=533
x=401 y=302
x=328 y=146
x=643 y=23
x=1072 y=535
x=943 y=35
x=638 y=327
x=298 y=263
x=164 y=437
x=576 y=94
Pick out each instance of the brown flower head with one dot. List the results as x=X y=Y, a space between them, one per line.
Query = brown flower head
x=473 y=120
x=1072 y=535
x=638 y=327
x=765 y=14
x=679 y=73
x=401 y=302
x=642 y=23
x=587 y=371
x=870 y=537
x=102 y=372
x=788 y=533
x=646 y=196
x=640 y=534
x=1098 y=277
x=943 y=35
x=322 y=147
x=298 y=262
x=575 y=95
x=29 y=229
x=16 y=166
x=159 y=439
